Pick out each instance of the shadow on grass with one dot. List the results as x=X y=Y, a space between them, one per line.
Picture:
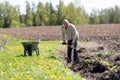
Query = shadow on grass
x=21 y=55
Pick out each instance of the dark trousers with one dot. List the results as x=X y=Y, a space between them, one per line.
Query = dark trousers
x=75 y=50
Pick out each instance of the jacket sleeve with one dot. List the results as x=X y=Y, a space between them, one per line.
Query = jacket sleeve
x=63 y=33
x=74 y=33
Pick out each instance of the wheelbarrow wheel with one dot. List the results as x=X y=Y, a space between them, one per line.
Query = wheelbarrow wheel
x=30 y=53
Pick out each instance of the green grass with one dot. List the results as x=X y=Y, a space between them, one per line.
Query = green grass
x=13 y=66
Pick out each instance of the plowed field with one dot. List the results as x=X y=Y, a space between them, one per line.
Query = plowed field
x=86 y=32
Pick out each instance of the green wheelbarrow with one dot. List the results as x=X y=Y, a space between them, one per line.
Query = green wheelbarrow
x=29 y=47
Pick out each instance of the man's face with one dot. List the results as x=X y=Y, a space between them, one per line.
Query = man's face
x=66 y=24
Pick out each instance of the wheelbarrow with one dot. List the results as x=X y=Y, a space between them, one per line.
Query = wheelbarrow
x=29 y=47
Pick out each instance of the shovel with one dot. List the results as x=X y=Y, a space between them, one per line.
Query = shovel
x=79 y=50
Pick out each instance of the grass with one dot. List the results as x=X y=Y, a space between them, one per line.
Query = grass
x=13 y=66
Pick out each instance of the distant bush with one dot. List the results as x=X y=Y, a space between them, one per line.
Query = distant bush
x=3 y=40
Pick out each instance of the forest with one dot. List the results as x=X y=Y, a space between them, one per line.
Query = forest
x=47 y=15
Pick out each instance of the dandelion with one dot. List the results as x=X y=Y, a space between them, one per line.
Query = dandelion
x=33 y=69
x=18 y=76
x=10 y=79
x=10 y=64
x=69 y=78
x=53 y=76
x=29 y=78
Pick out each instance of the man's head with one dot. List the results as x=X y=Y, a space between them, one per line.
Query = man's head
x=66 y=23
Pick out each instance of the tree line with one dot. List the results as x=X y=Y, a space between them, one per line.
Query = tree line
x=46 y=15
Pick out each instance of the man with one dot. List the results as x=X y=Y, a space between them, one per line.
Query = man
x=71 y=35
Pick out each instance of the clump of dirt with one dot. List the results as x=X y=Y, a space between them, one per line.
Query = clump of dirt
x=97 y=60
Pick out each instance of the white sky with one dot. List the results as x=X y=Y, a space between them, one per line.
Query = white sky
x=88 y=5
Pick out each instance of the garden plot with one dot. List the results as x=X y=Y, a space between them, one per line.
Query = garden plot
x=98 y=60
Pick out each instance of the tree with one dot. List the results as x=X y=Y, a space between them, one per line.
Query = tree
x=47 y=14
x=34 y=14
x=6 y=15
x=76 y=15
x=94 y=18
x=104 y=16
x=1 y=15
x=40 y=14
x=116 y=17
x=14 y=19
x=61 y=12
x=111 y=12
x=29 y=17
x=53 y=15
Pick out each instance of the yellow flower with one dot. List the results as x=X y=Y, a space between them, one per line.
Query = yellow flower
x=0 y=63
x=53 y=76
x=18 y=76
x=10 y=79
x=10 y=64
x=29 y=78
x=69 y=78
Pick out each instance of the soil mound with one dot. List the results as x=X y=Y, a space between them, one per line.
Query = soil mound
x=97 y=60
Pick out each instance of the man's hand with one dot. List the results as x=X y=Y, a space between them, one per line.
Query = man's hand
x=72 y=45
x=64 y=42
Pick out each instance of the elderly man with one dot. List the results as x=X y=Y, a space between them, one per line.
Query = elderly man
x=70 y=37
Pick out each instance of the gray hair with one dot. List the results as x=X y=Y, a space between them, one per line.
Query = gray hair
x=65 y=20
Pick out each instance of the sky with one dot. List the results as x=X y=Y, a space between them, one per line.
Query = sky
x=88 y=5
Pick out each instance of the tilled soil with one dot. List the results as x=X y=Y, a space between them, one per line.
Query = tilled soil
x=97 y=60
x=86 y=32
